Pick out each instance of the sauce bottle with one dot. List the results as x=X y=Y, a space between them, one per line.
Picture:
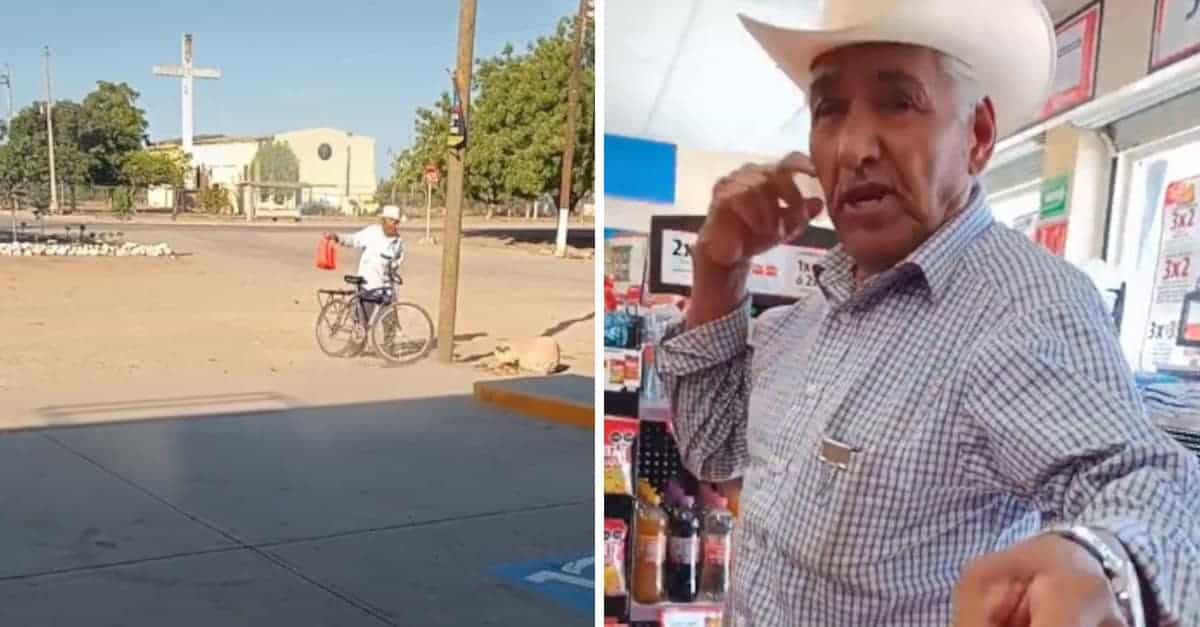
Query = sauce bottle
x=650 y=546
x=683 y=553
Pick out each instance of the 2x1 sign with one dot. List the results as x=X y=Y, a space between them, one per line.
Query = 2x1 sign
x=784 y=271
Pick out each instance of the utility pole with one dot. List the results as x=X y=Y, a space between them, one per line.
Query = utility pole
x=6 y=80
x=50 y=140
x=349 y=137
x=454 y=185
x=568 y=158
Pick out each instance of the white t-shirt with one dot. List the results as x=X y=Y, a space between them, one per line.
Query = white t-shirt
x=378 y=250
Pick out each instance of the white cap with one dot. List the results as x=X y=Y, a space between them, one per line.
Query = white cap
x=391 y=211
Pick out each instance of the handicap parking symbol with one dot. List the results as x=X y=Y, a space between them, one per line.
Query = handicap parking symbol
x=567 y=582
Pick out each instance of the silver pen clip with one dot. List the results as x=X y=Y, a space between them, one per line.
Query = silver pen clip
x=836 y=454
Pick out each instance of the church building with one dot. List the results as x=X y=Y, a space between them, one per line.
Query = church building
x=337 y=169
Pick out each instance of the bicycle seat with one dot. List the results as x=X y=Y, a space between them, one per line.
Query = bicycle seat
x=354 y=279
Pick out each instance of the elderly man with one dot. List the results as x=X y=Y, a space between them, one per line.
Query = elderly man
x=381 y=248
x=948 y=433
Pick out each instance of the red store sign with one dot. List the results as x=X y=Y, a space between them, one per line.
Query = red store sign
x=1176 y=32
x=1075 y=74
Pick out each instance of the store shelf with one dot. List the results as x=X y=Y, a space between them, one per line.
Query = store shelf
x=655 y=414
x=621 y=404
x=639 y=612
x=614 y=607
x=618 y=506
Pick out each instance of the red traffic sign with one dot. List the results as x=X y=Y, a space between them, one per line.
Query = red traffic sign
x=432 y=175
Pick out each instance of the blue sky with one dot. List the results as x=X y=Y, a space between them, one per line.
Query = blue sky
x=359 y=65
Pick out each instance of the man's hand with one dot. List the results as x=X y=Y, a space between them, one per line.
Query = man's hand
x=753 y=210
x=332 y=236
x=1046 y=581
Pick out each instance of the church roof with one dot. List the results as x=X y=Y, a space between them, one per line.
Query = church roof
x=214 y=139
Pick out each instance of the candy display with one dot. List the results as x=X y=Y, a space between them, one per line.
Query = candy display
x=615 y=536
x=619 y=434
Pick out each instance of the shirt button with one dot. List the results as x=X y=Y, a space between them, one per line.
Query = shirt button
x=811 y=390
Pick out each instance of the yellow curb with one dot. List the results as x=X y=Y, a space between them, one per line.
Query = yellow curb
x=535 y=406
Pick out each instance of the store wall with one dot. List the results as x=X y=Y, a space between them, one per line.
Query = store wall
x=1124 y=43
x=699 y=171
x=644 y=178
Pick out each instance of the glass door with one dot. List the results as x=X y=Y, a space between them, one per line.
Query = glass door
x=1135 y=233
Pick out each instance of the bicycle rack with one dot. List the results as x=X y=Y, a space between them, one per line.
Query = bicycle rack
x=325 y=296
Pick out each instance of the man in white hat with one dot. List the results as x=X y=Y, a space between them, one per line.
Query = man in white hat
x=949 y=432
x=381 y=247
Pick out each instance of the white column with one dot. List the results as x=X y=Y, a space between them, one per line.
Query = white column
x=186 y=94
x=186 y=99
x=1085 y=156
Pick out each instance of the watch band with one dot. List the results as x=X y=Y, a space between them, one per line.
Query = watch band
x=1122 y=575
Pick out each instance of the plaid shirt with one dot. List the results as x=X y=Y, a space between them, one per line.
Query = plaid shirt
x=982 y=389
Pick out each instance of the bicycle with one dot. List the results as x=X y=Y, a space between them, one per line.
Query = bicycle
x=344 y=326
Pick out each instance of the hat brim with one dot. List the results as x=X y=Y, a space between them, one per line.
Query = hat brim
x=1009 y=46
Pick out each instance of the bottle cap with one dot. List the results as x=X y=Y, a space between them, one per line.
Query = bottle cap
x=646 y=492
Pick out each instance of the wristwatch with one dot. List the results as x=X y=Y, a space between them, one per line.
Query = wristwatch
x=1122 y=575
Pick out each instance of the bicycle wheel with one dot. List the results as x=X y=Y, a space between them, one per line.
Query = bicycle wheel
x=402 y=333
x=337 y=332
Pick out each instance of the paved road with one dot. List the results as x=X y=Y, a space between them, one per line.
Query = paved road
x=540 y=231
x=236 y=314
x=410 y=512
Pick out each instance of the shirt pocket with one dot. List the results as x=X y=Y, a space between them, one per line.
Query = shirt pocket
x=906 y=488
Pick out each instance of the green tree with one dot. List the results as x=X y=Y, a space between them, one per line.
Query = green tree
x=72 y=163
x=145 y=168
x=516 y=125
x=430 y=129
x=24 y=159
x=112 y=129
x=275 y=162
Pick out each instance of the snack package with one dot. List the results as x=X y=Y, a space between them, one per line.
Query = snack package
x=615 y=532
x=619 y=434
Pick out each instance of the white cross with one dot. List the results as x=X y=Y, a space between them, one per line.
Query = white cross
x=187 y=73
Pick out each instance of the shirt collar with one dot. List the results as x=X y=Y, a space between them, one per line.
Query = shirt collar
x=934 y=260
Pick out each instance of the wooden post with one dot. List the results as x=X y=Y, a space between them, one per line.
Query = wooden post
x=448 y=309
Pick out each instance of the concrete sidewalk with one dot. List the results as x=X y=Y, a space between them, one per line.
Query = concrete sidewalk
x=563 y=399
x=383 y=513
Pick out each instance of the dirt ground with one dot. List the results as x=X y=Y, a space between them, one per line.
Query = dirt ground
x=230 y=321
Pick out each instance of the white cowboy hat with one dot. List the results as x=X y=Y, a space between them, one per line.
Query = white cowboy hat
x=1008 y=44
x=391 y=211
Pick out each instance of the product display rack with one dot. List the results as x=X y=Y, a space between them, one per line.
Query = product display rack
x=620 y=506
x=655 y=268
x=655 y=458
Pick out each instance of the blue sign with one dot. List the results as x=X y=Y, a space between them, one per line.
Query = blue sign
x=567 y=582
x=639 y=169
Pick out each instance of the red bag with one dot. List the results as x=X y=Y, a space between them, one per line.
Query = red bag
x=326 y=254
